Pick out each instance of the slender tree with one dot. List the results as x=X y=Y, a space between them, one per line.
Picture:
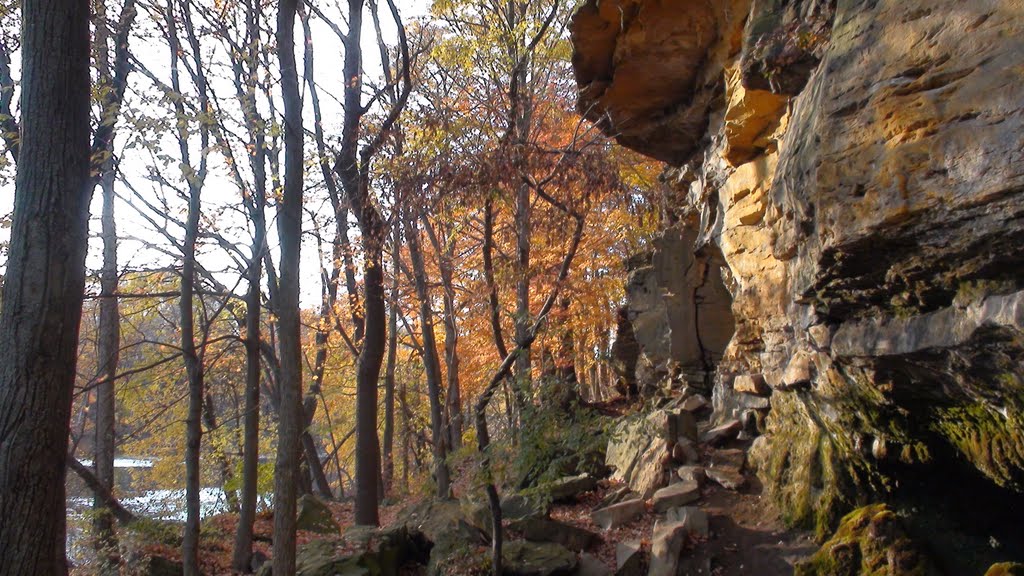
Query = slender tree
x=42 y=293
x=431 y=361
x=352 y=166
x=112 y=76
x=289 y=225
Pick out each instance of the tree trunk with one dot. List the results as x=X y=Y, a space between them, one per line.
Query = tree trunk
x=453 y=399
x=388 y=465
x=42 y=293
x=367 y=375
x=195 y=372
x=289 y=223
x=242 y=558
x=190 y=353
x=246 y=82
x=431 y=363
x=108 y=347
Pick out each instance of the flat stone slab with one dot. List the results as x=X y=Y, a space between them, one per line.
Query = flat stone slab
x=722 y=434
x=726 y=478
x=695 y=519
x=629 y=559
x=548 y=530
x=618 y=514
x=694 y=403
x=676 y=495
x=729 y=459
x=692 y=474
x=589 y=565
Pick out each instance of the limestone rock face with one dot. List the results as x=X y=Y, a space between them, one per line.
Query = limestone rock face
x=854 y=174
x=641 y=66
x=679 y=314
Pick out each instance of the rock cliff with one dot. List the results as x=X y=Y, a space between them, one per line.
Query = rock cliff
x=845 y=235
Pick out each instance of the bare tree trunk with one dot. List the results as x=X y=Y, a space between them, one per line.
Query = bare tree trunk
x=453 y=399
x=245 y=84
x=190 y=353
x=108 y=348
x=42 y=293
x=353 y=168
x=242 y=558
x=290 y=231
x=388 y=465
x=431 y=363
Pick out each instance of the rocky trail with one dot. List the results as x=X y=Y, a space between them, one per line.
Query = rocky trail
x=680 y=499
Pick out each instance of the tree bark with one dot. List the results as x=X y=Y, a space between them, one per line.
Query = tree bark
x=245 y=86
x=453 y=399
x=108 y=347
x=431 y=363
x=42 y=293
x=388 y=465
x=190 y=352
x=289 y=223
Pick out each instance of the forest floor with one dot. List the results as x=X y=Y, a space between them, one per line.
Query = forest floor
x=747 y=534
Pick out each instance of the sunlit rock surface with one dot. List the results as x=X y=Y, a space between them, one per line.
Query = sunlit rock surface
x=859 y=168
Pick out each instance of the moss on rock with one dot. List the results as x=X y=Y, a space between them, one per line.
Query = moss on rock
x=870 y=541
x=989 y=440
x=813 y=474
x=1006 y=569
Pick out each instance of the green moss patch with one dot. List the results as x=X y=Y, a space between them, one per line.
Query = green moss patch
x=870 y=541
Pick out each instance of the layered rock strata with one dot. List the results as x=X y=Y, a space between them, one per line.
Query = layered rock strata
x=854 y=170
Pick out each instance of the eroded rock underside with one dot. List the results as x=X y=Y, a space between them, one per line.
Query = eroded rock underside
x=844 y=243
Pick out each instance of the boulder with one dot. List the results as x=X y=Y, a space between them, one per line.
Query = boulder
x=590 y=565
x=630 y=559
x=799 y=373
x=619 y=514
x=537 y=559
x=549 y=530
x=726 y=478
x=682 y=424
x=518 y=506
x=667 y=545
x=390 y=551
x=569 y=488
x=695 y=519
x=685 y=452
x=315 y=516
x=722 y=434
x=693 y=474
x=675 y=495
x=869 y=540
x=751 y=384
x=1006 y=569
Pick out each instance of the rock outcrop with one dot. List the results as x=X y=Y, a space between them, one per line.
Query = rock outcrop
x=851 y=175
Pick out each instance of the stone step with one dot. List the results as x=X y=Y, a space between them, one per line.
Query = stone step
x=675 y=495
x=618 y=514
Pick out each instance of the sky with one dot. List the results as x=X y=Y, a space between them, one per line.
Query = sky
x=220 y=195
